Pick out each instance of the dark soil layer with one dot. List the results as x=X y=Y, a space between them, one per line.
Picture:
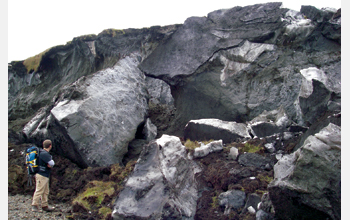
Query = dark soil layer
x=216 y=178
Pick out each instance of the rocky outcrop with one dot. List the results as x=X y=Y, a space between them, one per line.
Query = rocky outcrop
x=162 y=184
x=86 y=87
x=262 y=74
x=307 y=182
x=220 y=66
x=63 y=65
x=231 y=70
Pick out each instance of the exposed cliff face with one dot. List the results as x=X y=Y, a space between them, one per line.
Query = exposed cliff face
x=87 y=82
x=260 y=73
x=236 y=63
x=63 y=65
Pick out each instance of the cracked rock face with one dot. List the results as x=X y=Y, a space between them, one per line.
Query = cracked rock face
x=162 y=185
x=307 y=182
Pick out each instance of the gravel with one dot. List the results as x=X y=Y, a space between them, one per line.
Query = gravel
x=20 y=207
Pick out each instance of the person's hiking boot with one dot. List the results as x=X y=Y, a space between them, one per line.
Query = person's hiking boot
x=48 y=208
x=35 y=208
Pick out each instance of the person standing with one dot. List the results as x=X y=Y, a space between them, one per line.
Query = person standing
x=42 y=179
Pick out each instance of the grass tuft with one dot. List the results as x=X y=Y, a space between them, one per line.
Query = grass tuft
x=113 y=32
x=191 y=145
x=94 y=194
x=104 y=212
x=32 y=63
x=249 y=148
x=215 y=202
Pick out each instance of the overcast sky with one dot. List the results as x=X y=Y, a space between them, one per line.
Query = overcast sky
x=36 y=25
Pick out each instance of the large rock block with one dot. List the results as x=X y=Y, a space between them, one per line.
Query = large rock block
x=162 y=185
x=232 y=200
x=307 y=182
x=199 y=38
x=100 y=113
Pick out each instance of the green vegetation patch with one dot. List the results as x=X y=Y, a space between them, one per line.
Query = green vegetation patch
x=215 y=202
x=97 y=194
x=94 y=194
x=250 y=148
x=104 y=212
x=88 y=37
x=265 y=178
x=33 y=63
x=118 y=173
x=191 y=145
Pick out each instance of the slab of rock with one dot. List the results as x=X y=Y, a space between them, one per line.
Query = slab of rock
x=269 y=123
x=162 y=185
x=307 y=182
x=211 y=147
x=207 y=129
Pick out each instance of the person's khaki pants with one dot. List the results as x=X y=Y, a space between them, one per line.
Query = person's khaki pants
x=41 y=190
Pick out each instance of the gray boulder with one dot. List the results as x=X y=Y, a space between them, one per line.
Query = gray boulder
x=162 y=185
x=207 y=129
x=316 y=103
x=231 y=200
x=252 y=201
x=307 y=182
x=101 y=113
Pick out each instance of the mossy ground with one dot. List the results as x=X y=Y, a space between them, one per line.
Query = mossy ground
x=98 y=195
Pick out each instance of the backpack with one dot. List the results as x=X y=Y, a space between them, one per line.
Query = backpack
x=32 y=161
